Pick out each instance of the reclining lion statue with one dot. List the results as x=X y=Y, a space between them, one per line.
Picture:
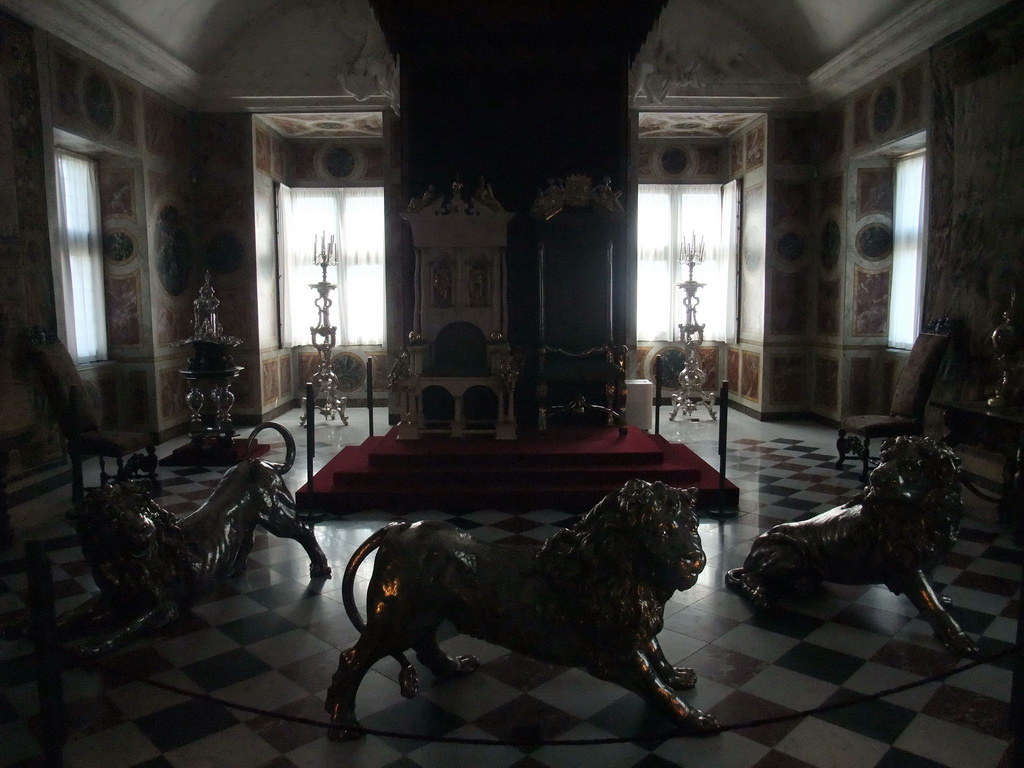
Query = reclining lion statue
x=592 y=596
x=151 y=566
x=893 y=533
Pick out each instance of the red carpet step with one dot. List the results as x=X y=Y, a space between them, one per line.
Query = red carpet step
x=566 y=469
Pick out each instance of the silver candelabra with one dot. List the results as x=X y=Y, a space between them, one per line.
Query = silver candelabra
x=325 y=382
x=691 y=392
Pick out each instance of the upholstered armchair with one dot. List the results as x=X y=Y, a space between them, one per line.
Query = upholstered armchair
x=910 y=396
x=80 y=420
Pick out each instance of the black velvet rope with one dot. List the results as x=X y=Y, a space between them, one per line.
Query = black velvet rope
x=106 y=668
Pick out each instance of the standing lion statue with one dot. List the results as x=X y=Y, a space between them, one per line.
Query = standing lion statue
x=151 y=566
x=893 y=533
x=592 y=596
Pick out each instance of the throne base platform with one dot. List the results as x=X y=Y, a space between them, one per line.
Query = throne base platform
x=568 y=469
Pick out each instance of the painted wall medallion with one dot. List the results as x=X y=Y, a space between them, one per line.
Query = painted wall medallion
x=790 y=247
x=350 y=370
x=674 y=161
x=874 y=242
x=173 y=252
x=118 y=246
x=224 y=253
x=339 y=162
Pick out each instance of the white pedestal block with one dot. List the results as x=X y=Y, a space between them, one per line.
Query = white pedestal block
x=639 y=403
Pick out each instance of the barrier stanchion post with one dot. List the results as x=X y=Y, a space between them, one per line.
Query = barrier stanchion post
x=310 y=438
x=1017 y=689
x=657 y=394
x=369 y=391
x=44 y=635
x=723 y=438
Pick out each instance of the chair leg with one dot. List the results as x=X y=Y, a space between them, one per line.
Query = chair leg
x=865 y=457
x=841 y=448
x=150 y=464
x=77 y=476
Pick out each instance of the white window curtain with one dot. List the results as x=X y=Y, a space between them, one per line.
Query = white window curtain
x=81 y=257
x=354 y=217
x=908 y=251
x=667 y=216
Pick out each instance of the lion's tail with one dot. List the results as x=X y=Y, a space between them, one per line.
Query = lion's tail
x=289 y=443
x=407 y=677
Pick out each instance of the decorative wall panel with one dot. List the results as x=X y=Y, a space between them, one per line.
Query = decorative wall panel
x=794 y=140
x=874 y=191
x=871 y=302
x=828 y=306
x=736 y=157
x=789 y=303
x=755 y=148
x=733 y=369
x=271 y=380
x=117 y=193
x=860 y=386
x=833 y=129
x=826 y=383
x=123 y=310
x=750 y=375
x=787 y=379
x=165 y=128
x=752 y=273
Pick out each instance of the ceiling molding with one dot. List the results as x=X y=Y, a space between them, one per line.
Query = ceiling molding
x=87 y=26
x=900 y=39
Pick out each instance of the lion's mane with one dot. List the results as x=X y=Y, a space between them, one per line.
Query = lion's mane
x=611 y=556
x=924 y=524
x=131 y=543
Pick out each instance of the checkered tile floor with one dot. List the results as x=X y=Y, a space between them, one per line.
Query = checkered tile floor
x=269 y=639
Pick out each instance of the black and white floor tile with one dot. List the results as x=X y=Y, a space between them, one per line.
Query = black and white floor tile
x=269 y=639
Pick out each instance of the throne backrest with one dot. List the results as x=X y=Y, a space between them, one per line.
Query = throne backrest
x=915 y=383
x=459 y=349
x=57 y=374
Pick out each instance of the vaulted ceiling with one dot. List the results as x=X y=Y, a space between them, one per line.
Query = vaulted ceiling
x=697 y=55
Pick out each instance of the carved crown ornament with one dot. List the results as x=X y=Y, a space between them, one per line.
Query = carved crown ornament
x=576 y=191
x=481 y=202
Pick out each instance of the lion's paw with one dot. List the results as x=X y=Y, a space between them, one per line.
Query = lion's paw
x=409 y=681
x=348 y=729
x=466 y=663
x=682 y=678
x=319 y=571
x=962 y=645
x=700 y=723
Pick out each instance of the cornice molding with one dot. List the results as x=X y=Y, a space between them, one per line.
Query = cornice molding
x=903 y=37
x=95 y=31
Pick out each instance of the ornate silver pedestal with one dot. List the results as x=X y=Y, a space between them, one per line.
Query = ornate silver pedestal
x=691 y=392
x=210 y=368
x=325 y=382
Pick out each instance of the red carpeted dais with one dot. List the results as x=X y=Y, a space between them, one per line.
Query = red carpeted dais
x=568 y=469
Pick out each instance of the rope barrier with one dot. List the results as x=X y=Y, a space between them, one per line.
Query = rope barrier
x=527 y=742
